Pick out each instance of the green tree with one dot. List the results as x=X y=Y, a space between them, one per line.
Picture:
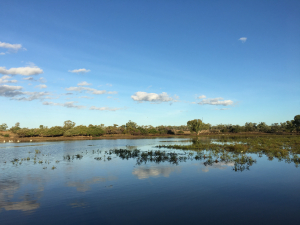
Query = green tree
x=296 y=122
x=289 y=126
x=263 y=127
x=131 y=124
x=250 y=127
x=15 y=128
x=196 y=126
x=3 y=127
x=55 y=131
x=68 y=124
x=94 y=131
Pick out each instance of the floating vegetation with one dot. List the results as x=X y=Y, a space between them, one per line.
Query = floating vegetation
x=233 y=151
x=143 y=157
x=68 y=157
x=284 y=148
x=37 y=151
x=78 y=156
x=53 y=168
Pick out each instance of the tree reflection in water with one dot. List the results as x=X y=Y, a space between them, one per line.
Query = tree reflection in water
x=283 y=148
x=241 y=162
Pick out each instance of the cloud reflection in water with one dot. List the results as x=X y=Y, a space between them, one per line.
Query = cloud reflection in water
x=83 y=186
x=155 y=171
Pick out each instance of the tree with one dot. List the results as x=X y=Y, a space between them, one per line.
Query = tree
x=289 y=126
x=3 y=127
x=263 y=127
x=196 y=126
x=296 y=122
x=15 y=128
x=68 y=124
x=131 y=124
x=250 y=127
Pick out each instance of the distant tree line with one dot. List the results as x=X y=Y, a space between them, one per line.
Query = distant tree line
x=69 y=129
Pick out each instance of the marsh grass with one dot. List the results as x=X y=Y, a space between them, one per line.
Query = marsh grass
x=235 y=151
x=283 y=148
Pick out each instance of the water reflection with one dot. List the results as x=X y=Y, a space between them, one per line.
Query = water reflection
x=144 y=172
x=78 y=205
x=284 y=148
x=8 y=189
x=83 y=186
x=240 y=162
x=220 y=166
x=95 y=179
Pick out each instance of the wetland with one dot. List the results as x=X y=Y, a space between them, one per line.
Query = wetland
x=207 y=179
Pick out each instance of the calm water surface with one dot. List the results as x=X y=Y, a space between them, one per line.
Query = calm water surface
x=51 y=189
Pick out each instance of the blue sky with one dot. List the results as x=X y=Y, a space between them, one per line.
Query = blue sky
x=152 y=62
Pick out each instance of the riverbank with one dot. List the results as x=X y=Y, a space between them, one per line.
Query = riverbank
x=15 y=138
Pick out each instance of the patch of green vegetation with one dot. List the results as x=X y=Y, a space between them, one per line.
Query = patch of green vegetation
x=37 y=151
x=285 y=148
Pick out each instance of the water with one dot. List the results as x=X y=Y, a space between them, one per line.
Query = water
x=121 y=191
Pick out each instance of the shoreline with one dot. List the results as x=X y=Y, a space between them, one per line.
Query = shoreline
x=127 y=136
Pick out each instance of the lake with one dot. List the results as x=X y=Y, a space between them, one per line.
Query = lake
x=131 y=181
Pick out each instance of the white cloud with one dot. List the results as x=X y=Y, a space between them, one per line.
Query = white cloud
x=5 y=79
x=10 y=91
x=2 y=53
x=87 y=97
x=84 y=83
x=41 y=86
x=42 y=80
x=15 y=47
x=33 y=96
x=152 y=97
x=216 y=101
x=25 y=71
x=201 y=97
x=13 y=91
x=104 y=108
x=243 y=39
x=66 y=104
x=223 y=109
x=91 y=90
x=112 y=92
x=110 y=85
x=28 y=78
x=79 y=71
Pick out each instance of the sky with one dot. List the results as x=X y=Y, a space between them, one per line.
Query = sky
x=151 y=62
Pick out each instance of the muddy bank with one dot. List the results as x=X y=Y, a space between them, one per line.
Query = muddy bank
x=15 y=138
x=62 y=138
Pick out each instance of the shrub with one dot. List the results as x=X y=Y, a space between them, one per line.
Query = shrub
x=152 y=131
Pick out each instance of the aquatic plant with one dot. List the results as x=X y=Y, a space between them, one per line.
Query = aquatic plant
x=280 y=147
x=78 y=156
x=37 y=151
